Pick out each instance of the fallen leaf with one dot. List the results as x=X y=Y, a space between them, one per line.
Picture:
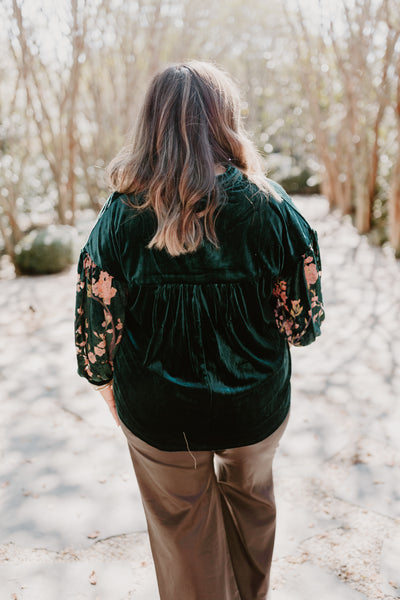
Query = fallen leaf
x=143 y=563
x=92 y=578
x=298 y=560
x=357 y=459
x=93 y=535
x=31 y=494
x=5 y=484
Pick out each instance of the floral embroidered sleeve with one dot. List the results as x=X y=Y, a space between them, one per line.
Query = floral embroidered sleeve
x=99 y=320
x=299 y=309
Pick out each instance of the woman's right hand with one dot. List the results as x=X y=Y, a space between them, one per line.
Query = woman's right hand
x=108 y=396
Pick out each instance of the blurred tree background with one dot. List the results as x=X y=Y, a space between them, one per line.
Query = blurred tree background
x=321 y=96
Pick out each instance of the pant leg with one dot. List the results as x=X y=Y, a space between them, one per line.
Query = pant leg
x=185 y=522
x=245 y=480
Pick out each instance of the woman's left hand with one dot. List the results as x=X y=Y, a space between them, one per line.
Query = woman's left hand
x=108 y=396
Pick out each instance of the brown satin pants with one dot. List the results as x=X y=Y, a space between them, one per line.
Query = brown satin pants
x=211 y=518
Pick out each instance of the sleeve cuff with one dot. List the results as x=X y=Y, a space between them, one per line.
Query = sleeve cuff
x=103 y=386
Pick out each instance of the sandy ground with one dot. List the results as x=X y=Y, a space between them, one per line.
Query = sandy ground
x=71 y=522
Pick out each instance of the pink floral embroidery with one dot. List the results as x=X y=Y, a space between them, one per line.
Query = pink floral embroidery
x=99 y=325
x=310 y=270
x=294 y=316
x=103 y=287
x=280 y=290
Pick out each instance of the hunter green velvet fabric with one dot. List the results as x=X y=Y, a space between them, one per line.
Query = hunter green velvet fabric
x=198 y=345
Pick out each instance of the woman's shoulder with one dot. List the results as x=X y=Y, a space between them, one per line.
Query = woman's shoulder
x=122 y=210
x=119 y=202
x=282 y=204
x=283 y=220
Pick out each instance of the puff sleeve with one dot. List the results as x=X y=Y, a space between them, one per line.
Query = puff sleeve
x=101 y=299
x=296 y=287
x=298 y=303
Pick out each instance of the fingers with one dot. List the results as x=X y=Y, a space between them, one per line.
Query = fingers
x=114 y=413
x=109 y=398
x=113 y=409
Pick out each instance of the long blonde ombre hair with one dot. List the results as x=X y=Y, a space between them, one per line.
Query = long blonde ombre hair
x=190 y=122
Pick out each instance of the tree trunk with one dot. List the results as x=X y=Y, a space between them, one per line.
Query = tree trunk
x=9 y=241
x=394 y=194
x=394 y=207
x=62 y=203
x=73 y=87
x=363 y=214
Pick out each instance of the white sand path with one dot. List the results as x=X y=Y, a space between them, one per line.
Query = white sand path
x=71 y=521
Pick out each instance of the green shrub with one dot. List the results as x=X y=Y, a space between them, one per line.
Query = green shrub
x=47 y=250
x=294 y=177
x=301 y=182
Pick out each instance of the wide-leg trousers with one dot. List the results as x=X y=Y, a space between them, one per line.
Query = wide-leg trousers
x=211 y=518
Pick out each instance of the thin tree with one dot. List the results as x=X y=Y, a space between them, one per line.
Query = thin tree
x=52 y=100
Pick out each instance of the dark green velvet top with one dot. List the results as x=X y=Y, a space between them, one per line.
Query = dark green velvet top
x=198 y=345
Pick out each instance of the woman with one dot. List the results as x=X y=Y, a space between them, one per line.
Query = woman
x=196 y=278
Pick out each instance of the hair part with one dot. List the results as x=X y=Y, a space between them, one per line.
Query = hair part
x=190 y=122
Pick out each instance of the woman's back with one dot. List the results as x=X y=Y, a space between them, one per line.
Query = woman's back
x=200 y=337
